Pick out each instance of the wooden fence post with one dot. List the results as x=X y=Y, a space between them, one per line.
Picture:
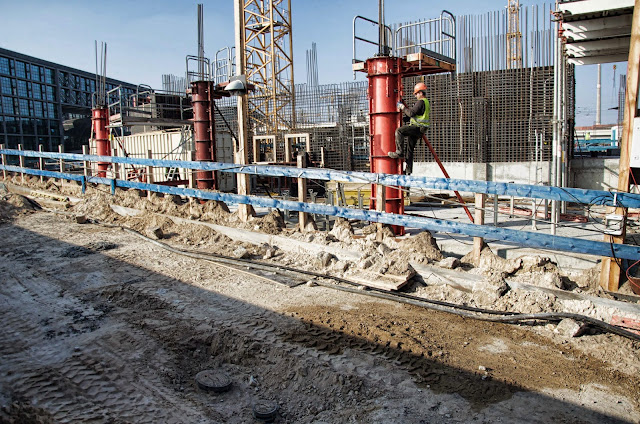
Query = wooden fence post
x=149 y=173
x=4 y=162
x=381 y=201
x=191 y=172
x=478 y=242
x=21 y=160
x=61 y=150
x=117 y=168
x=41 y=161
x=87 y=164
x=302 y=193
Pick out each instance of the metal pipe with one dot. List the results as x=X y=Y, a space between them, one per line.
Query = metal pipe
x=381 y=30
x=200 y=42
x=598 y=95
x=564 y=172
x=446 y=174
x=555 y=122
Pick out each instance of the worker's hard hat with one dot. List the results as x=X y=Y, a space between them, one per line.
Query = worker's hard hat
x=419 y=87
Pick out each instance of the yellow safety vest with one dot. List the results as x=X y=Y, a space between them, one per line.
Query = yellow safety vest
x=422 y=120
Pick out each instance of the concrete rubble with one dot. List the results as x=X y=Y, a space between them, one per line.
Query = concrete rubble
x=526 y=284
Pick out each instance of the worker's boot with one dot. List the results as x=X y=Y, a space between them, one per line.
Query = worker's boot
x=399 y=146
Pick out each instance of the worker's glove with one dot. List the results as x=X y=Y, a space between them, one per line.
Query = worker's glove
x=400 y=106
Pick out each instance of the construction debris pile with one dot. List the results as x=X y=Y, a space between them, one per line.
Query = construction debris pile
x=487 y=282
x=304 y=389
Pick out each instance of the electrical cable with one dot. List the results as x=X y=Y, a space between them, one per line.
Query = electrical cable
x=461 y=310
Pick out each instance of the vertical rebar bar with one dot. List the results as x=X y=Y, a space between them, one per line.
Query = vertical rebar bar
x=200 y=42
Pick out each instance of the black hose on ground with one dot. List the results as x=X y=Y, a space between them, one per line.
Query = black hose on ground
x=452 y=308
x=513 y=317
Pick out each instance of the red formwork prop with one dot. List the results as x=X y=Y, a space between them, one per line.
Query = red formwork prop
x=99 y=118
x=446 y=174
x=385 y=90
x=202 y=134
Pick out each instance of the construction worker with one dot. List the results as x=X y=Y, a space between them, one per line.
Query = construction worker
x=418 y=124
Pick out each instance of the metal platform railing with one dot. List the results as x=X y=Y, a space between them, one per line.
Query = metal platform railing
x=434 y=37
x=224 y=64
x=387 y=31
x=145 y=107
x=202 y=71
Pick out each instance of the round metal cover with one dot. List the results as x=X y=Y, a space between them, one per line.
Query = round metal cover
x=265 y=410
x=213 y=381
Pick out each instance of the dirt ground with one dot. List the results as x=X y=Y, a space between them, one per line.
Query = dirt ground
x=100 y=326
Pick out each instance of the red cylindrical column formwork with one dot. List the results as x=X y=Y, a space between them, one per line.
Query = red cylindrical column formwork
x=385 y=84
x=100 y=116
x=212 y=130
x=201 y=131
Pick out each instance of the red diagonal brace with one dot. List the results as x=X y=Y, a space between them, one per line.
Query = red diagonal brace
x=446 y=174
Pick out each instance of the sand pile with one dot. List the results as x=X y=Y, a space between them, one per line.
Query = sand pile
x=12 y=205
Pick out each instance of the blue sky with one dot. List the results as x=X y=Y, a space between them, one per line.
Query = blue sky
x=148 y=38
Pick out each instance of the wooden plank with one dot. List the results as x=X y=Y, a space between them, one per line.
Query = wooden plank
x=381 y=281
x=140 y=120
x=460 y=280
x=12 y=188
x=238 y=234
x=428 y=61
x=358 y=66
x=626 y=323
x=610 y=272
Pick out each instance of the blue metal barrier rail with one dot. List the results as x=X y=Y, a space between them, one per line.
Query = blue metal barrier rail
x=522 y=238
x=573 y=195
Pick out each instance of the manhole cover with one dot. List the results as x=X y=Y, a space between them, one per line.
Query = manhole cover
x=265 y=410
x=213 y=381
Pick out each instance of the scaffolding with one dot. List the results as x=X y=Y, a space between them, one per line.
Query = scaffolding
x=269 y=65
x=487 y=112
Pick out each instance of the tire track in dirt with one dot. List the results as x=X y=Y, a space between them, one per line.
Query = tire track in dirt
x=154 y=332
x=82 y=387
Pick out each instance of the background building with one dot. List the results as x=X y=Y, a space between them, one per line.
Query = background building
x=46 y=103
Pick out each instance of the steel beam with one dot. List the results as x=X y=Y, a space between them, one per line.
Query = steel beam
x=593 y=6
x=586 y=26
x=593 y=60
x=590 y=48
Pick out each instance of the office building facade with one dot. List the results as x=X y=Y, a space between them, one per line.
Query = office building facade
x=45 y=103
